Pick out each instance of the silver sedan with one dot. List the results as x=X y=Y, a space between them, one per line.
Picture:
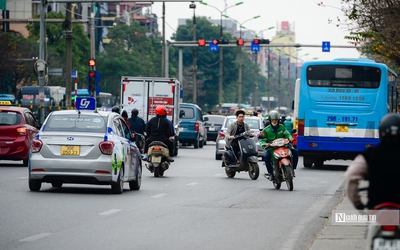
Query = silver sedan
x=88 y=147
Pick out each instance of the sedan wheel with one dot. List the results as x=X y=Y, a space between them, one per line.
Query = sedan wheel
x=35 y=185
x=118 y=187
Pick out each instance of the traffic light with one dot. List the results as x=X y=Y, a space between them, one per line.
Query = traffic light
x=92 y=82
x=215 y=42
x=240 y=42
x=261 y=41
x=201 y=42
x=92 y=63
x=223 y=41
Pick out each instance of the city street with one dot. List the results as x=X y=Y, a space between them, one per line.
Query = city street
x=194 y=206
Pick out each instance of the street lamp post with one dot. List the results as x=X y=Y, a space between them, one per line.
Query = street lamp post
x=220 y=53
x=241 y=60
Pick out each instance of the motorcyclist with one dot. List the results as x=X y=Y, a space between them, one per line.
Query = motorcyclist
x=136 y=123
x=115 y=109
x=124 y=115
x=288 y=123
x=271 y=132
x=235 y=128
x=159 y=129
x=379 y=165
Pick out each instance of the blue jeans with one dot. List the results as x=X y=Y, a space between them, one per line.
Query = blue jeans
x=267 y=159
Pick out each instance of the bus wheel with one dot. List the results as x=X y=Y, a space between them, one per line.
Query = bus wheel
x=307 y=162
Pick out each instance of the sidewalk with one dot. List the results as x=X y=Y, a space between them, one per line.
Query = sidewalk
x=343 y=237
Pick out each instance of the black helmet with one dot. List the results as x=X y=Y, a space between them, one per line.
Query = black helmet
x=115 y=109
x=389 y=128
x=135 y=112
x=124 y=113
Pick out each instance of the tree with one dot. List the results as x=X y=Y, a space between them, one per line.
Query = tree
x=375 y=25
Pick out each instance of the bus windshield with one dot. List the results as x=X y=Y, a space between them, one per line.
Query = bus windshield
x=343 y=76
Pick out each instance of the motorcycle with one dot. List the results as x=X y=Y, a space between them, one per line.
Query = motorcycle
x=140 y=141
x=248 y=157
x=282 y=163
x=158 y=158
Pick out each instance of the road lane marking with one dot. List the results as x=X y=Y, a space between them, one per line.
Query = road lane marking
x=192 y=183
x=158 y=195
x=220 y=174
x=36 y=237
x=22 y=178
x=111 y=211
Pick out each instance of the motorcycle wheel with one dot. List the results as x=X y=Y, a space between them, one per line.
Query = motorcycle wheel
x=289 y=177
x=156 y=171
x=230 y=173
x=277 y=185
x=254 y=170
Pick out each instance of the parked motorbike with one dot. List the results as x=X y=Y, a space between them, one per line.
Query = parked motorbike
x=282 y=163
x=158 y=158
x=248 y=157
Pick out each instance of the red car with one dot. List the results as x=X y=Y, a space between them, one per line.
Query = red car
x=18 y=128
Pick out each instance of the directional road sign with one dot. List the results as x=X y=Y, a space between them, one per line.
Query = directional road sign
x=213 y=47
x=255 y=47
x=326 y=46
x=74 y=74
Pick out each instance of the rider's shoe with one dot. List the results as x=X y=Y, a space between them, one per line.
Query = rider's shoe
x=271 y=178
x=144 y=157
x=171 y=159
x=294 y=174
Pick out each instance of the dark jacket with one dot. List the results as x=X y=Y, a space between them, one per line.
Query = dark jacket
x=137 y=125
x=158 y=128
x=383 y=174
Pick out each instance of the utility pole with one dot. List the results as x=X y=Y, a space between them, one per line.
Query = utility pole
x=193 y=6
x=163 y=42
x=240 y=79
x=41 y=63
x=68 y=66
x=255 y=80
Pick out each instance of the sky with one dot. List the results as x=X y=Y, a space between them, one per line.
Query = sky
x=309 y=19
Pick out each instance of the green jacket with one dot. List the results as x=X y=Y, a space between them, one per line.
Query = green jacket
x=271 y=135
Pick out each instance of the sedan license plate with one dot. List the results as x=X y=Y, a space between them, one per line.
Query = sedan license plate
x=211 y=129
x=156 y=159
x=342 y=128
x=386 y=244
x=70 y=150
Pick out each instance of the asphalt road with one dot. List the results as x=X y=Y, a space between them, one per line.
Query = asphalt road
x=194 y=206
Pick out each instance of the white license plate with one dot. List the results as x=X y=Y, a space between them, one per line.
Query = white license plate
x=156 y=159
x=386 y=244
x=211 y=129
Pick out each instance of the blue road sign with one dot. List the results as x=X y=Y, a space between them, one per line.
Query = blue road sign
x=74 y=74
x=255 y=47
x=87 y=103
x=213 y=47
x=326 y=46
x=97 y=76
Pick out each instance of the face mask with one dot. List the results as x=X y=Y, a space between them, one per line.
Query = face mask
x=274 y=123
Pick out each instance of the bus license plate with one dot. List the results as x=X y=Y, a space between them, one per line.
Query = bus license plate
x=342 y=128
x=156 y=159
x=70 y=150
x=386 y=244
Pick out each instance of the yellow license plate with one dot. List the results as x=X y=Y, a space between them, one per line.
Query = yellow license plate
x=70 y=150
x=342 y=128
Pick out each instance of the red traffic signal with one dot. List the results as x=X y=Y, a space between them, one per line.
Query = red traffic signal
x=92 y=62
x=201 y=42
x=92 y=74
x=240 y=42
x=256 y=41
x=215 y=41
